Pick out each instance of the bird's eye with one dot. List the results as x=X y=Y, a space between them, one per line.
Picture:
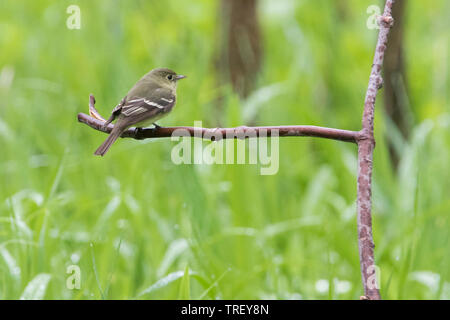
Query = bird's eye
x=169 y=77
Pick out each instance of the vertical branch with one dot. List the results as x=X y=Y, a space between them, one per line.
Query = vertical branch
x=366 y=144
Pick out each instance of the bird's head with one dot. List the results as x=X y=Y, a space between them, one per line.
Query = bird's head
x=165 y=77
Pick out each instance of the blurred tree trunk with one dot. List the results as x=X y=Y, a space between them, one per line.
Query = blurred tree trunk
x=342 y=9
x=395 y=86
x=239 y=59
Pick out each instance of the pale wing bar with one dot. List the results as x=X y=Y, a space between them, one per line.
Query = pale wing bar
x=141 y=105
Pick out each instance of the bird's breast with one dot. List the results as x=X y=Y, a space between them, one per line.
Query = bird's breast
x=148 y=122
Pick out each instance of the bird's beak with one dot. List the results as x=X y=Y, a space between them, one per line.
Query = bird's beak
x=179 y=77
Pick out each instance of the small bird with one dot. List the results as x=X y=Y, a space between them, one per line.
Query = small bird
x=150 y=99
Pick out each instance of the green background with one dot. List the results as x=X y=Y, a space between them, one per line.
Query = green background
x=139 y=226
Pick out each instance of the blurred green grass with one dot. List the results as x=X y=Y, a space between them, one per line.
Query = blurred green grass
x=139 y=226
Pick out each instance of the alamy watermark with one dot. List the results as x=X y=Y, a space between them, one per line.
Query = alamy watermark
x=74 y=19
x=372 y=21
x=73 y=281
x=222 y=151
x=373 y=281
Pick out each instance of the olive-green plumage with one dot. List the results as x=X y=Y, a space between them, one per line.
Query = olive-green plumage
x=150 y=99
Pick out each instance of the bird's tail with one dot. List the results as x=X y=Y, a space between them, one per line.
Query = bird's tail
x=115 y=133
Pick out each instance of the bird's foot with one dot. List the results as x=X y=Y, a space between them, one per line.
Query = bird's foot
x=138 y=133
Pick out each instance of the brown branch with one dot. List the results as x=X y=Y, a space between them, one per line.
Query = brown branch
x=96 y=121
x=366 y=144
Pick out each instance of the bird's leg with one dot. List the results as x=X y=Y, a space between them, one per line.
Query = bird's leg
x=138 y=133
x=156 y=125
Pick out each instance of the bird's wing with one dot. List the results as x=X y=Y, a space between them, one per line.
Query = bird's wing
x=118 y=108
x=138 y=109
x=115 y=112
x=160 y=98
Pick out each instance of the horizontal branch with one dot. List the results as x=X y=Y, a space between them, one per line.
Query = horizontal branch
x=96 y=121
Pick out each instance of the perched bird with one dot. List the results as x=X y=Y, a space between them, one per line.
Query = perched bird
x=150 y=99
